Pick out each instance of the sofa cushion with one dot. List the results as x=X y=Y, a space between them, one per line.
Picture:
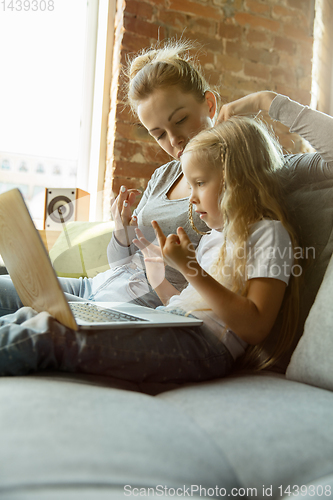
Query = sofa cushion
x=65 y=436
x=312 y=360
x=273 y=431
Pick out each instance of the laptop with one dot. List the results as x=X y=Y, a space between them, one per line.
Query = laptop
x=37 y=285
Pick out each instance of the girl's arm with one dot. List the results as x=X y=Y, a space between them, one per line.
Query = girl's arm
x=155 y=268
x=251 y=317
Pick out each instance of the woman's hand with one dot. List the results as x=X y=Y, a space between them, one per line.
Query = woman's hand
x=122 y=215
x=154 y=263
x=248 y=105
x=177 y=250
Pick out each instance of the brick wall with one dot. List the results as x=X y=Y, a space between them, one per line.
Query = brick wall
x=248 y=45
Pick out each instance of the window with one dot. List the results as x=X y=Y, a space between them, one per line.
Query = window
x=52 y=90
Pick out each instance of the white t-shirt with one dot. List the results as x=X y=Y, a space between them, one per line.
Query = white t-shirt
x=269 y=255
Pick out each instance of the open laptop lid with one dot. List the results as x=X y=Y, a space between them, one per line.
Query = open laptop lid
x=37 y=285
x=27 y=260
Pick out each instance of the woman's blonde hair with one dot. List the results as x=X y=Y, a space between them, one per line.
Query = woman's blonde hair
x=164 y=66
x=248 y=156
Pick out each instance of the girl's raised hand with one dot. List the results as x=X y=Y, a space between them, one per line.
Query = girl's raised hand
x=177 y=249
x=122 y=214
x=248 y=105
x=154 y=263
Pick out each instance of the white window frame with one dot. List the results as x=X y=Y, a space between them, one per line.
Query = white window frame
x=96 y=102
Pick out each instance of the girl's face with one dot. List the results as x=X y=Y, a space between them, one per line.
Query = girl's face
x=173 y=117
x=205 y=184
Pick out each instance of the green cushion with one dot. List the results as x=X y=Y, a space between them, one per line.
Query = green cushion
x=81 y=249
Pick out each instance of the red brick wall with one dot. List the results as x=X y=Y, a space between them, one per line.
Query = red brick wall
x=248 y=45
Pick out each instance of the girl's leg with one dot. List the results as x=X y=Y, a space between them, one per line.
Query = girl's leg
x=30 y=342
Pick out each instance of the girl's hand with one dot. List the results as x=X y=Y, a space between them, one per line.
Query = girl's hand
x=122 y=215
x=248 y=105
x=153 y=259
x=177 y=250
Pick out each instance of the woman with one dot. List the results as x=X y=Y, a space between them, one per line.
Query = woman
x=167 y=81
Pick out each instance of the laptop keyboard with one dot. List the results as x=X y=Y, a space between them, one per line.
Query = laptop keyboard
x=95 y=314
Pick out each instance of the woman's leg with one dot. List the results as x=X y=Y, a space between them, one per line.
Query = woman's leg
x=122 y=284
x=126 y=283
x=11 y=302
x=31 y=342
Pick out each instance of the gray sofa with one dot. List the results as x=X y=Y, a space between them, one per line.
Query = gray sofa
x=268 y=434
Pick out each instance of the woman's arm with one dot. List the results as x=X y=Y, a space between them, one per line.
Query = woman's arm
x=120 y=252
x=248 y=105
x=312 y=125
x=124 y=220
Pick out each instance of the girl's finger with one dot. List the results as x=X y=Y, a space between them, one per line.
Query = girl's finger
x=182 y=235
x=160 y=235
x=144 y=249
x=173 y=239
x=185 y=240
x=138 y=244
x=143 y=240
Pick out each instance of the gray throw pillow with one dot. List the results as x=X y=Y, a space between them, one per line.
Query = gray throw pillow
x=311 y=361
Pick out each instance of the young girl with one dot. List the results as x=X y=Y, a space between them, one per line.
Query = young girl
x=239 y=274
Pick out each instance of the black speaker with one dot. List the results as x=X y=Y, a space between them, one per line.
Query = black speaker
x=64 y=205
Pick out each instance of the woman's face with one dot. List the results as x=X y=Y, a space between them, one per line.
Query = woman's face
x=173 y=117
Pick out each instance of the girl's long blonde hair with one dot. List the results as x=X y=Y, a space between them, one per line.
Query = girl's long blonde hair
x=164 y=66
x=248 y=156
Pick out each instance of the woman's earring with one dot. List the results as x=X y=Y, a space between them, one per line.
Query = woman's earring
x=190 y=216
